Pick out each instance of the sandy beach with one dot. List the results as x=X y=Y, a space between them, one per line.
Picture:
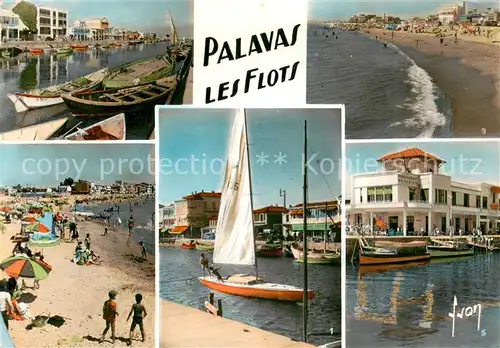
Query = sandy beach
x=77 y=293
x=466 y=71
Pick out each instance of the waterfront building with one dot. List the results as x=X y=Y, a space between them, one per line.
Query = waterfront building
x=192 y=212
x=10 y=25
x=167 y=216
x=451 y=14
x=321 y=217
x=51 y=22
x=410 y=194
x=269 y=219
x=99 y=28
x=79 y=31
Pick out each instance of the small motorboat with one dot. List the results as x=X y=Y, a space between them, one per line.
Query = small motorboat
x=269 y=250
x=204 y=247
x=80 y=47
x=191 y=245
x=36 y=51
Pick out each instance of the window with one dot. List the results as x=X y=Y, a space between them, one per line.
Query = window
x=466 y=200
x=485 y=202
x=380 y=194
x=412 y=194
x=371 y=194
x=441 y=196
x=453 y=198
x=494 y=198
x=478 y=201
x=424 y=194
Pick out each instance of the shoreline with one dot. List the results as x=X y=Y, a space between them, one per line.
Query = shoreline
x=466 y=72
x=77 y=293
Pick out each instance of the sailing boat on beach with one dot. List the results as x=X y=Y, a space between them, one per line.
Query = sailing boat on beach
x=235 y=236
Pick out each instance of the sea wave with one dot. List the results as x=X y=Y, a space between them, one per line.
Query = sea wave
x=427 y=116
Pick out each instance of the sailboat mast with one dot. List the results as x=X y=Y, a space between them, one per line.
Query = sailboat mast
x=304 y=236
x=251 y=192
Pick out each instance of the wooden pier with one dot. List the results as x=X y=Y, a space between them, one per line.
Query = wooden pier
x=183 y=327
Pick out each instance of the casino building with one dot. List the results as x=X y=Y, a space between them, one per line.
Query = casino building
x=410 y=195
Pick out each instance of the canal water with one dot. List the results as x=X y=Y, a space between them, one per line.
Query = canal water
x=409 y=307
x=177 y=265
x=25 y=72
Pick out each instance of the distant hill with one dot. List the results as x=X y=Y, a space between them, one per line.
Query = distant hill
x=27 y=12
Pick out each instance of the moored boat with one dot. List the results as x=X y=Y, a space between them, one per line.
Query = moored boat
x=448 y=248
x=108 y=103
x=36 y=51
x=325 y=257
x=50 y=96
x=190 y=246
x=204 y=247
x=64 y=50
x=80 y=47
x=392 y=253
x=269 y=250
x=113 y=128
x=140 y=72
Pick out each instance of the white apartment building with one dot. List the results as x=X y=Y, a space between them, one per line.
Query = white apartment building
x=321 y=216
x=166 y=216
x=412 y=195
x=450 y=14
x=51 y=22
x=10 y=25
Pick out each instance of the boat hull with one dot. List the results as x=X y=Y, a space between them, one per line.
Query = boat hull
x=204 y=247
x=321 y=260
x=113 y=128
x=24 y=102
x=188 y=246
x=390 y=259
x=437 y=253
x=265 y=291
x=270 y=253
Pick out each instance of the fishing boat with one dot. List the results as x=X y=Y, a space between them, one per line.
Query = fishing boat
x=235 y=236
x=108 y=103
x=269 y=250
x=482 y=243
x=117 y=44
x=204 y=247
x=80 y=47
x=113 y=128
x=64 y=50
x=391 y=253
x=324 y=257
x=105 y=47
x=140 y=72
x=380 y=268
x=449 y=248
x=36 y=51
x=191 y=245
x=50 y=96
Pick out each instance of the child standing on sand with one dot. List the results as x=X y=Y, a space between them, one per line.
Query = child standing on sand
x=87 y=242
x=109 y=314
x=143 y=250
x=139 y=313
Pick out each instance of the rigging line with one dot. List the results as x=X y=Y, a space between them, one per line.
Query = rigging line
x=323 y=174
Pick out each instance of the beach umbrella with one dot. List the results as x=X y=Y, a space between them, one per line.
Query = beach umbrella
x=20 y=266
x=5 y=209
x=38 y=227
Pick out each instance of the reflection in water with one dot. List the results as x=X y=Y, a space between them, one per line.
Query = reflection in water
x=26 y=72
x=410 y=306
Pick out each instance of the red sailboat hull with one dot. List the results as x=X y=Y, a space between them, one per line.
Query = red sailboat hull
x=270 y=253
x=258 y=291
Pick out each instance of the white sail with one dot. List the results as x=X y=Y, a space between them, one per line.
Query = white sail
x=234 y=237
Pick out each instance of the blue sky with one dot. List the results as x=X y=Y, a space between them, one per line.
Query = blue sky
x=466 y=161
x=204 y=134
x=141 y=15
x=47 y=165
x=332 y=9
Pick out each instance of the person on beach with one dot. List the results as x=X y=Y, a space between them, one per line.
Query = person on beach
x=5 y=304
x=87 y=241
x=139 y=313
x=109 y=314
x=105 y=231
x=130 y=227
x=143 y=250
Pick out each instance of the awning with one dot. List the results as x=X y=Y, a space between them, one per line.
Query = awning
x=179 y=229
x=495 y=189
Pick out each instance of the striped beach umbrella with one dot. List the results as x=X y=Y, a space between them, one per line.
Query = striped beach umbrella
x=38 y=227
x=19 y=266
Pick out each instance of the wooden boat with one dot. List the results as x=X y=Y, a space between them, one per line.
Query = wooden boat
x=36 y=51
x=108 y=103
x=190 y=246
x=315 y=256
x=379 y=268
x=80 y=47
x=448 y=248
x=64 y=50
x=139 y=73
x=50 y=96
x=269 y=250
x=235 y=240
x=42 y=131
x=249 y=286
x=117 y=44
x=394 y=253
x=113 y=128
x=204 y=247
x=106 y=46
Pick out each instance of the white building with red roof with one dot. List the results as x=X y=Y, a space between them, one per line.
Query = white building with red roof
x=410 y=194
